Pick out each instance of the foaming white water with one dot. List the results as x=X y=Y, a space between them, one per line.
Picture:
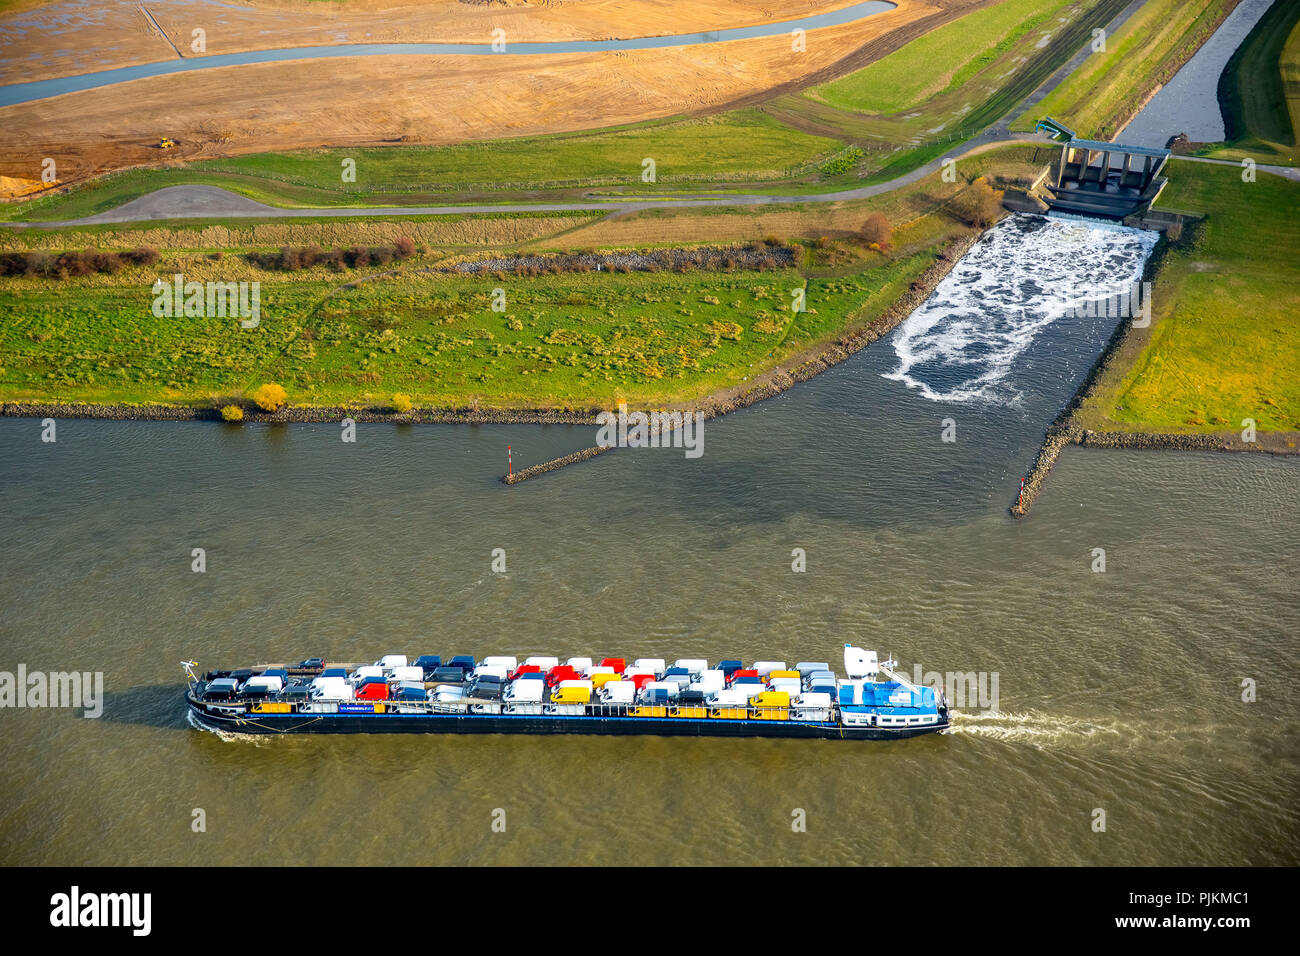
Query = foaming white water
x=1025 y=273
x=257 y=740
x=1031 y=727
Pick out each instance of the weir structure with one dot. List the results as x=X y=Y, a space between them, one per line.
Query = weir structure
x=1114 y=187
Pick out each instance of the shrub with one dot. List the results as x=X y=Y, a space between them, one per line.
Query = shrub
x=270 y=397
x=979 y=204
x=401 y=403
x=294 y=258
x=842 y=163
x=40 y=263
x=232 y=413
x=72 y=263
x=877 y=231
x=145 y=256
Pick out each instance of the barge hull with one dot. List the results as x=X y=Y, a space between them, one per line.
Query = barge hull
x=272 y=724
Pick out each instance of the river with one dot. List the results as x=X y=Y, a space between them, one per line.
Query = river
x=1119 y=690
x=1189 y=103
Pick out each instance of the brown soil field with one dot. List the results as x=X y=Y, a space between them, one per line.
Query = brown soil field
x=376 y=100
x=70 y=37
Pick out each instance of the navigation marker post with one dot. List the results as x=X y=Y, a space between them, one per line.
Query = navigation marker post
x=1020 y=502
x=510 y=465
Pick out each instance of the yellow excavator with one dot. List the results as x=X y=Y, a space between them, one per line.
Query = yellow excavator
x=166 y=143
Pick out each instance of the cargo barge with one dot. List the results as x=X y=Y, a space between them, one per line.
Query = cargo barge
x=541 y=695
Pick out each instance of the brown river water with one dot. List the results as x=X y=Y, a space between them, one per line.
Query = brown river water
x=1119 y=690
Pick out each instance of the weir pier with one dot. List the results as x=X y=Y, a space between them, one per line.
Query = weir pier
x=1100 y=179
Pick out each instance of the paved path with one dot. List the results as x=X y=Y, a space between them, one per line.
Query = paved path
x=213 y=202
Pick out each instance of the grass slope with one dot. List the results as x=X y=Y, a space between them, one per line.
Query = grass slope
x=567 y=340
x=1225 y=345
x=744 y=145
x=1259 y=92
x=942 y=59
x=987 y=91
x=1143 y=54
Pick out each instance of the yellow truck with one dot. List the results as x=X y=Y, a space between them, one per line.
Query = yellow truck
x=771 y=705
x=571 y=695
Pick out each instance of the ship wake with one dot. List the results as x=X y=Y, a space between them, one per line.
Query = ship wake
x=256 y=740
x=1035 y=728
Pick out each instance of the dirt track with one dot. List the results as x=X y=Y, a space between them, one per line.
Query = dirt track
x=375 y=100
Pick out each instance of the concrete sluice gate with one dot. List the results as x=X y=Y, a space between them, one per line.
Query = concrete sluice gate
x=1124 y=181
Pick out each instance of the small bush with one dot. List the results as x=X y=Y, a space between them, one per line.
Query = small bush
x=270 y=397
x=979 y=204
x=401 y=403
x=72 y=263
x=145 y=256
x=842 y=163
x=293 y=258
x=877 y=231
x=232 y=413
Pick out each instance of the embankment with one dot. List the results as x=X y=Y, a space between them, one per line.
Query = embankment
x=803 y=367
x=1066 y=429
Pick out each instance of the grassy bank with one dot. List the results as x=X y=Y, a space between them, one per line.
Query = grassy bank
x=944 y=59
x=1259 y=92
x=953 y=89
x=1142 y=55
x=566 y=340
x=739 y=146
x=448 y=232
x=1224 y=343
x=577 y=340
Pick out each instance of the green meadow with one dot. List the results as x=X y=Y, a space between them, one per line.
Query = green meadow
x=1225 y=341
x=942 y=89
x=740 y=146
x=1145 y=52
x=946 y=58
x=570 y=340
x=1260 y=91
